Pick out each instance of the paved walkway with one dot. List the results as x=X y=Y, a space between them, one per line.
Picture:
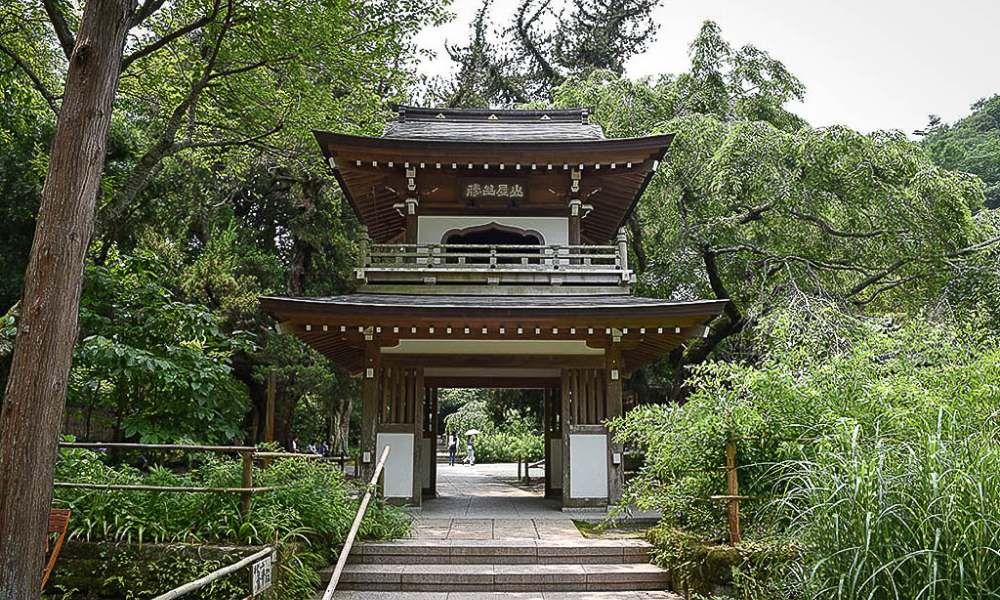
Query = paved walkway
x=477 y=503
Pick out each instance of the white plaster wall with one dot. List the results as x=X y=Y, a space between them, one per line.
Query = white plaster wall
x=588 y=465
x=399 y=466
x=555 y=230
x=555 y=453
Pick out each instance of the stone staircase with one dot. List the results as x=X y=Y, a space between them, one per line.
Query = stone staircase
x=499 y=569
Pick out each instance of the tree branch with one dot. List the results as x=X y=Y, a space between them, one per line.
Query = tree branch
x=145 y=11
x=876 y=277
x=50 y=99
x=846 y=234
x=166 y=39
x=65 y=35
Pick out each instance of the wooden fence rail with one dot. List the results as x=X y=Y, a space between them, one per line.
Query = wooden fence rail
x=197 y=584
x=246 y=489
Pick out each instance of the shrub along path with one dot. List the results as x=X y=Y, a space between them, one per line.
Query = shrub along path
x=484 y=539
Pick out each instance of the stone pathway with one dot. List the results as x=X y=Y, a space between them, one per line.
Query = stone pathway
x=485 y=539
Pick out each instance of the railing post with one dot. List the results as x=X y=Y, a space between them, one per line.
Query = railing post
x=733 y=490
x=622 y=248
x=246 y=482
x=363 y=250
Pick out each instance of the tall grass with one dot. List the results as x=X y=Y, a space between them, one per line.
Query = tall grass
x=898 y=519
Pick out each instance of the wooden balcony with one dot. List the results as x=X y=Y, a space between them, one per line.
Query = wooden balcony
x=494 y=269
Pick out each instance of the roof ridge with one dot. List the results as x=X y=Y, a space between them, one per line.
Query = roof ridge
x=407 y=114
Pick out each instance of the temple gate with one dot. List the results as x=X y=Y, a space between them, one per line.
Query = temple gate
x=494 y=256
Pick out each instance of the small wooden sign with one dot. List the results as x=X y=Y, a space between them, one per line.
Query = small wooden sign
x=494 y=190
x=260 y=576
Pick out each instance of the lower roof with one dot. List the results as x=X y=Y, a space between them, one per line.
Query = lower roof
x=340 y=326
x=421 y=303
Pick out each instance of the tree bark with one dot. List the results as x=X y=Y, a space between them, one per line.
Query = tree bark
x=47 y=328
x=302 y=249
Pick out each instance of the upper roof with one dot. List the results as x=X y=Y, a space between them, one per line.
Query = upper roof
x=429 y=153
x=493 y=125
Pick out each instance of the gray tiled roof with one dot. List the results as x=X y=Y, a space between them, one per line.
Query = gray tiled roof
x=555 y=301
x=488 y=131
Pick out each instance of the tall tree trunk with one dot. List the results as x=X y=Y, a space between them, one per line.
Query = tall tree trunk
x=343 y=424
x=47 y=328
x=302 y=249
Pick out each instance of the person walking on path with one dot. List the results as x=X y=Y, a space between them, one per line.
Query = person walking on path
x=452 y=449
x=470 y=453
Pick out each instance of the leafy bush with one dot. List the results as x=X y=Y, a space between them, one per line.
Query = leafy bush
x=875 y=444
x=306 y=516
x=471 y=415
x=502 y=447
x=312 y=503
x=516 y=438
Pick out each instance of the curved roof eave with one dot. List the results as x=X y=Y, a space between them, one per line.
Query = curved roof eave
x=660 y=143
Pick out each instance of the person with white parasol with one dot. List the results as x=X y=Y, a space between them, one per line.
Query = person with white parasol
x=470 y=453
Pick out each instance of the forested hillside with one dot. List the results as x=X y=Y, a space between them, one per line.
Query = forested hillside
x=971 y=144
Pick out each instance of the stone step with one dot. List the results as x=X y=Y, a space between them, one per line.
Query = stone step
x=503 y=552
x=642 y=595
x=502 y=578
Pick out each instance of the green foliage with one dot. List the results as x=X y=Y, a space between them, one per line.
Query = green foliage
x=889 y=517
x=878 y=439
x=971 y=145
x=515 y=437
x=312 y=503
x=547 y=43
x=155 y=368
x=472 y=415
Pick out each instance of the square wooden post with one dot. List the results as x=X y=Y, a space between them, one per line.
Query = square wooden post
x=369 y=409
x=616 y=472
x=417 y=410
x=567 y=421
x=246 y=481
x=733 y=490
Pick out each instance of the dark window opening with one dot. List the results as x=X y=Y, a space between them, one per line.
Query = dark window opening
x=494 y=237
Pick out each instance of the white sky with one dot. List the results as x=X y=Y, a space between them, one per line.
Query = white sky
x=868 y=64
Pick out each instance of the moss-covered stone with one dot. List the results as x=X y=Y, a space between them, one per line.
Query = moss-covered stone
x=707 y=569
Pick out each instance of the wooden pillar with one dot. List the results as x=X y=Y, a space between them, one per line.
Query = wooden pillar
x=614 y=374
x=411 y=220
x=369 y=409
x=733 y=490
x=564 y=413
x=416 y=398
x=575 y=219
x=272 y=385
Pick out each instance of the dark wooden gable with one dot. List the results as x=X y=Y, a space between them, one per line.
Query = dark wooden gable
x=539 y=149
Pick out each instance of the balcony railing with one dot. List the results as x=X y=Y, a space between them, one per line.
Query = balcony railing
x=478 y=268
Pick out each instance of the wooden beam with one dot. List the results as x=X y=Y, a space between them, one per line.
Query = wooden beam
x=506 y=383
x=497 y=361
